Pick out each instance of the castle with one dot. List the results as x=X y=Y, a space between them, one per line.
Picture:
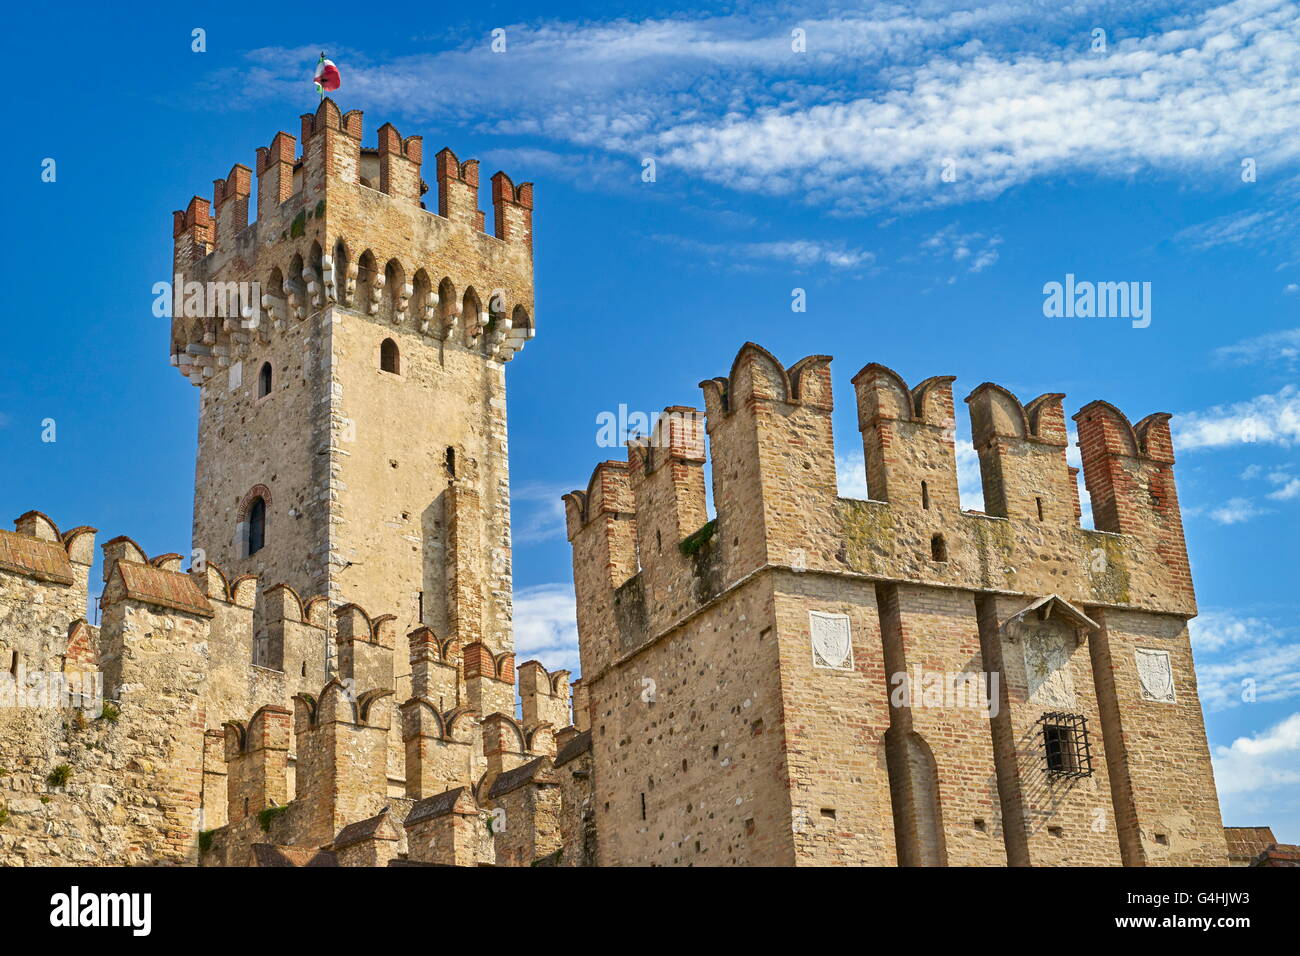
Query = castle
x=803 y=679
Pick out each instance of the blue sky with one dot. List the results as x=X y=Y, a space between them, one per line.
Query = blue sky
x=774 y=170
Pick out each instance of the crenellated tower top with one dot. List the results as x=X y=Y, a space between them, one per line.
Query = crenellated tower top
x=646 y=557
x=339 y=223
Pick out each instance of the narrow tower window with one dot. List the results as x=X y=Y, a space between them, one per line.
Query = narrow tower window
x=1039 y=502
x=925 y=496
x=257 y=526
x=264 y=380
x=389 y=358
x=450 y=462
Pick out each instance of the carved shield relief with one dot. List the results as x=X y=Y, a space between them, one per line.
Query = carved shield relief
x=1156 y=675
x=832 y=640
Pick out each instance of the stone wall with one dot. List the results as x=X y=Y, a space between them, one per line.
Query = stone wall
x=762 y=686
x=192 y=753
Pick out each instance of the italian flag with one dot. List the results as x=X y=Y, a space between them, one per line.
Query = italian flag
x=327 y=76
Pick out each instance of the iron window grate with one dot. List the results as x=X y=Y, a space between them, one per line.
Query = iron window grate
x=1065 y=745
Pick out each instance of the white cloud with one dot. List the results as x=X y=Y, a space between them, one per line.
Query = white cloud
x=1266 y=419
x=1268 y=760
x=883 y=95
x=1269 y=222
x=1214 y=631
x=586 y=170
x=1235 y=511
x=851 y=475
x=1289 y=490
x=538 y=513
x=1239 y=657
x=970 y=486
x=546 y=626
x=1185 y=99
x=797 y=253
x=971 y=252
x=1074 y=458
x=1281 y=346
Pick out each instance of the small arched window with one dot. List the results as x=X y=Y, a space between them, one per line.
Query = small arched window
x=938 y=548
x=389 y=357
x=257 y=525
x=450 y=462
x=925 y=496
x=264 y=380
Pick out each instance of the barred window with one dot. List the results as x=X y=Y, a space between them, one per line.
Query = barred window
x=1065 y=745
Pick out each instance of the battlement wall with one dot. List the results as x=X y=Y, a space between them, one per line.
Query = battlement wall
x=182 y=659
x=775 y=644
x=342 y=225
x=645 y=557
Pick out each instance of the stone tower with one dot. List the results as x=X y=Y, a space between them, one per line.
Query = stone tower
x=811 y=679
x=350 y=347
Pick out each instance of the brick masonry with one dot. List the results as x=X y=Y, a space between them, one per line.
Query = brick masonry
x=791 y=682
x=333 y=681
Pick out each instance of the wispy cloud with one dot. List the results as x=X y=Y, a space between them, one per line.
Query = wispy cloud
x=1285 y=483
x=870 y=113
x=1280 y=347
x=1265 y=419
x=1271 y=221
x=1235 y=511
x=1290 y=489
x=970 y=486
x=546 y=626
x=1244 y=658
x=538 y=513
x=799 y=254
x=1179 y=100
x=585 y=170
x=969 y=252
x=851 y=475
